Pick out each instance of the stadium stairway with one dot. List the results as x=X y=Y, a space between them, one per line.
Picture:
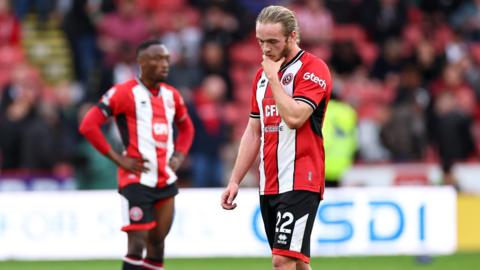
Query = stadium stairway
x=47 y=48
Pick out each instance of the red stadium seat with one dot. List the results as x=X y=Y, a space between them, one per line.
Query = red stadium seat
x=346 y=32
x=160 y=5
x=247 y=52
x=171 y=20
x=322 y=51
x=475 y=52
x=442 y=36
x=368 y=52
x=9 y=55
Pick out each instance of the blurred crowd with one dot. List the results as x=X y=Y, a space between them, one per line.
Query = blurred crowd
x=409 y=68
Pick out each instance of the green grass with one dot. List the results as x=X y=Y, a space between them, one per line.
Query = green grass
x=467 y=261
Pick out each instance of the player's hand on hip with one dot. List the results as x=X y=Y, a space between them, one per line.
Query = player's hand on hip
x=271 y=67
x=229 y=195
x=135 y=165
x=176 y=160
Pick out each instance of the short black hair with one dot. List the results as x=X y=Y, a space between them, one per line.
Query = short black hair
x=144 y=45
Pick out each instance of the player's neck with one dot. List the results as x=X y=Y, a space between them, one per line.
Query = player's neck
x=149 y=84
x=293 y=52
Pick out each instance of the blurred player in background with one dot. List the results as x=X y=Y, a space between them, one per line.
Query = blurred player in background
x=145 y=110
x=290 y=95
x=340 y=140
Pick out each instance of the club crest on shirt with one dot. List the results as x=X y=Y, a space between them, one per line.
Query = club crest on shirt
x=287 y=79
x=136 y=213
x=169 y=103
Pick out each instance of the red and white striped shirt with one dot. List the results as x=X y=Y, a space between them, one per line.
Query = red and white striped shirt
x=293 y=159
x=145 y=122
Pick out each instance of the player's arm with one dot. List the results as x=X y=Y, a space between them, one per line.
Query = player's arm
x=186 y=132
x=247 y=153
x=294 y=113
x=90 y=128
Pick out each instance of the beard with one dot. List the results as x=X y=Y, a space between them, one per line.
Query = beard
x=285 y=52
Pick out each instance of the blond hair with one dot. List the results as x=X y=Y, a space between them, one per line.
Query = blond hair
x=282 y=15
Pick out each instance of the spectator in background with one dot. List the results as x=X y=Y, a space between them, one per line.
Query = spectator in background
x=313 y=15
x=383 y=19
x=370 y=145
x=466 y=19
x=18 y=111
x=185 y=76
x=125 y=26
x=389 y=63
x=471 y=69
x=340 y=136
x=33 y=135
x=211 y=133
x=344 y=11
x=345 y=59
x=184 y=38
x=214 y=60
x=10 y=26
x=404 y=134
x=451 y=118
x=226 y=21
x=427 y=61
x=219 y=25
x=452 y=135
x=126 y=68
x=79 y=26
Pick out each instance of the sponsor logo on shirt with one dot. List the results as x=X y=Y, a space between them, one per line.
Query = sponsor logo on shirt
x=160 y=129
x=314 y=78
x=271 y=110
x=273 y=128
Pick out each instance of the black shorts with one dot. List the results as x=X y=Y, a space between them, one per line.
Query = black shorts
x=288 y=219
x=139 y=202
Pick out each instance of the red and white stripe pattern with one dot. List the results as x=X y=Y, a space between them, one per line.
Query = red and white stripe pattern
x=147 y=122
x=292 y=159
x=154 y=119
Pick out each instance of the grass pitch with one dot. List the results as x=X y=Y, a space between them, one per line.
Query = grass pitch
x=467 y=261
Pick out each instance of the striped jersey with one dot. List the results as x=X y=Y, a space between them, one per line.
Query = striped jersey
x=145 y=122
x=292 y=159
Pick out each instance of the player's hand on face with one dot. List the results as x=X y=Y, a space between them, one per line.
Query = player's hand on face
x=135 y=165
x=228 y=196
x=271 y=67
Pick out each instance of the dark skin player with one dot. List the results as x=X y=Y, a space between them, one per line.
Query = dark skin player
x=154 y=65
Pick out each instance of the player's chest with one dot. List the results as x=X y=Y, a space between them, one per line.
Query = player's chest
x=145 y=108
